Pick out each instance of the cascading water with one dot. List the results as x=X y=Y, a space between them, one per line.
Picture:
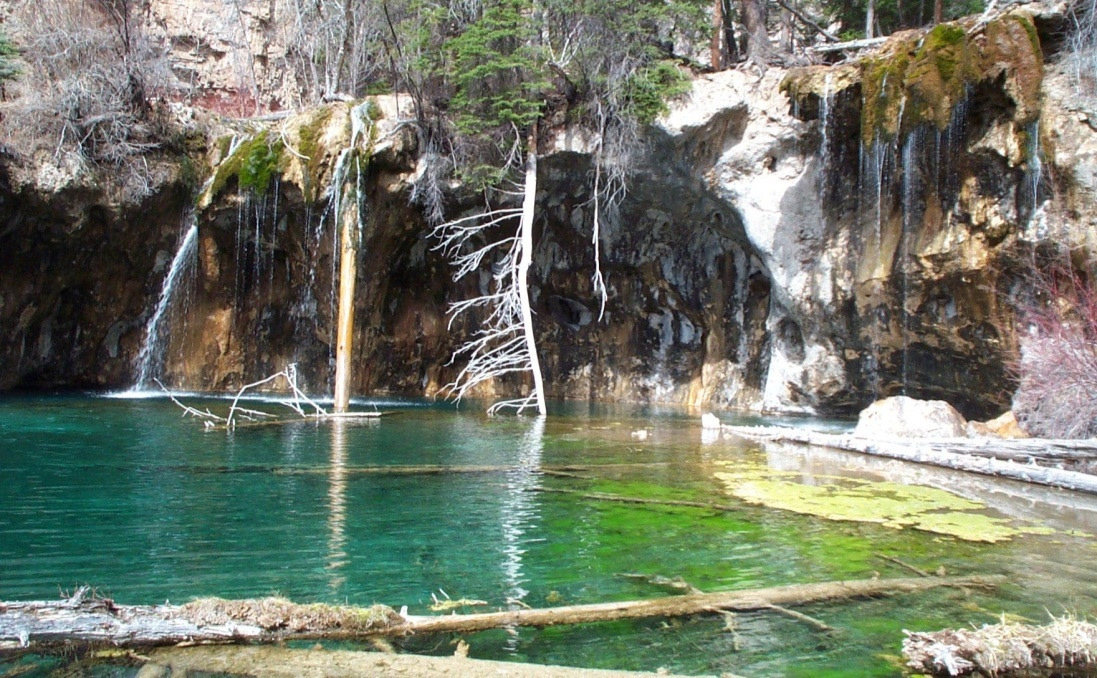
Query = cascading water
x=151 y=358
x=910 y=194
x=824 y=122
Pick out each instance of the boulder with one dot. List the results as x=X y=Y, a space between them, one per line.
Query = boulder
x=903 y=417
x=1005 y=426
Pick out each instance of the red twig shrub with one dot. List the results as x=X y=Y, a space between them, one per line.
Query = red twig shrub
x=1057 y=373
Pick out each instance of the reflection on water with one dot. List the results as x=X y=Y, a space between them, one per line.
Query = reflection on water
x=518 y=509
x=337 y=504
x=126 y=496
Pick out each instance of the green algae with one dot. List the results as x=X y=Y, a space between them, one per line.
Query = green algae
x=885 y=503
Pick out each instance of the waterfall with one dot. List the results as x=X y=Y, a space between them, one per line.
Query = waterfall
x=909 y=196
x=151 y=357
x=824 y=121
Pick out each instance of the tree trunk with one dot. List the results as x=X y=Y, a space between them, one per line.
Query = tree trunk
x=344 y=336
x=938 y=11
x=759 y=47
x=529 y=205
x=959 y=454
x=870 y=19
x=274 y=619
x=717 y=35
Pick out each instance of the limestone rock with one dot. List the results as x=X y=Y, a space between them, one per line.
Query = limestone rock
x=1005 y=426
x=903 y=417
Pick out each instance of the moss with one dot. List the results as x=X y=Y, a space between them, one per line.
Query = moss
x=943 y=42
x=938 y=76
x=1012 y=48
x=224 y=145
x=309 y=136
x=253 y=164
x=1030 y=30
x=882 y=82
x=260 y=163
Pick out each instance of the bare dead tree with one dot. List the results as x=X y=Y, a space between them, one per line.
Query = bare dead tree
x=1081 y=55
x=335 y=47
x=504 y=344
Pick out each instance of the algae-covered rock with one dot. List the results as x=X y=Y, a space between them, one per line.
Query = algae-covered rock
x=885 y=503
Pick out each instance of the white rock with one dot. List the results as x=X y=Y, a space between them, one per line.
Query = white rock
x=710 y=421
x=905 y=417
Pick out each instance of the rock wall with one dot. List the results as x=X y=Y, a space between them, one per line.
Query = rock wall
x=796 y=242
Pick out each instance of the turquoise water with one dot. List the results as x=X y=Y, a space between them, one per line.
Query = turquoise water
x=127 y=496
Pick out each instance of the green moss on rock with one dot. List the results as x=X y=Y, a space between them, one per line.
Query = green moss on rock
x=919 y=80
x=309 y=137
x=252 y=164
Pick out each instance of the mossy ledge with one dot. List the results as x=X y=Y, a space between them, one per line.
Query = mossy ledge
x=919 y=77
x=252 y=165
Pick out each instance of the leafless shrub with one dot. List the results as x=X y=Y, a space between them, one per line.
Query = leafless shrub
x=87 y=94
x=334 y=47
x=1057 y=390
x=1082 y=52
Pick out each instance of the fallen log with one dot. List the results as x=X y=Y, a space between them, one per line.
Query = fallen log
x=864 y=43
x=280 y=662
x=1066 y=646
x=86 y=620
x=1002 y=459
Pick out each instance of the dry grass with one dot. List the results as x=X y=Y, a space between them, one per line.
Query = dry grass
x=280 y=614
x=1067 y=644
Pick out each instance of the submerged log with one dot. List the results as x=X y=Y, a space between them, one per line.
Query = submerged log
x=1066 y=646
x=1011 y=459
x=79 y=619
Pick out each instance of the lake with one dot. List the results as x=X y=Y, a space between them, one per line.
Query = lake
x=434 y=502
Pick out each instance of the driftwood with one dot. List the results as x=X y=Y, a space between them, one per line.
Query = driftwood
x=850 y=45
x=242 y=417
x=1014 y=459
x=1065 y=647
x=82 y=619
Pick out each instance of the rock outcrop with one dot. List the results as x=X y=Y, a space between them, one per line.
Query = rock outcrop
x=806 y=241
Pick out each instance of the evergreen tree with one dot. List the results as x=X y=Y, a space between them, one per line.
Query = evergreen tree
x=8 y=53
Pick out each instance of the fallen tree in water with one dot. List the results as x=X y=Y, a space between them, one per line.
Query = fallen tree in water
x=85 y=619
x=1066 y=646
x=1011 y=459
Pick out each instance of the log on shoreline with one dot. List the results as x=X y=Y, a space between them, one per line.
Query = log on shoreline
x=1013 y=460
x=1065 y=647
x=84 y=620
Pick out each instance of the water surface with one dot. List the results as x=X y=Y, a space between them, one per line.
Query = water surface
x=127 y=496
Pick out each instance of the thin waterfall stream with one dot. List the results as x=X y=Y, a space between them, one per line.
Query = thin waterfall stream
x=151 y=358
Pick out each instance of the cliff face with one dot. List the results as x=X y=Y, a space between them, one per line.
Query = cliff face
x=802 y=241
